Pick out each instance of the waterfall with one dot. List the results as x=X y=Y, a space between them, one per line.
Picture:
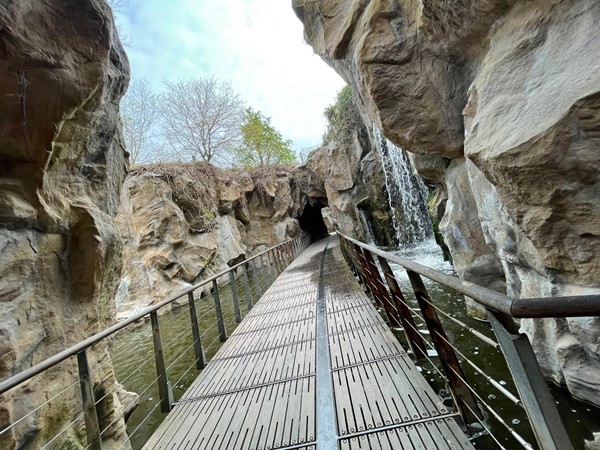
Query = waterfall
x=406 y=192
x=366 y=223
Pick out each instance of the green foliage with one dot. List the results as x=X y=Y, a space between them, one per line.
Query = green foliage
x=262 y=144
x=342 y=117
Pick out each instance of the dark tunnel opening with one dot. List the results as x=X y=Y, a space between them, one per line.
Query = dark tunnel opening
x=311 y=221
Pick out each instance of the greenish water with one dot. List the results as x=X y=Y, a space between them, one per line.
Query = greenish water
x=133 y=353
x=580 y=418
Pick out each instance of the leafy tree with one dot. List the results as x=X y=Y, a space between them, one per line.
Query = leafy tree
x=201 y=119
x=262 y=144
x=342 y=117
x=139 y=112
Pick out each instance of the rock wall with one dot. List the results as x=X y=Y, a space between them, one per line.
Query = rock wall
x=509 y=91
x=346 y=176
x=63 y=72
x=182 y=223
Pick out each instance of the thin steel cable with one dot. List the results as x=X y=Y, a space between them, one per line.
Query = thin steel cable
x=129 y=406
x=187 y=371
x=499 y=418
x=139 y=425
x=183 y=352
x=122 y=382
x=502 y=389
x=13 y=424
x=77 y=419
x=474 y=332
x=489 y=432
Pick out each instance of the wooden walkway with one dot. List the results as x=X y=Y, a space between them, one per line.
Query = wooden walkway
x=312 y=366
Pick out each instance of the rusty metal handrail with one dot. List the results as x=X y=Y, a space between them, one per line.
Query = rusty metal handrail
x=518 y=308
x=535 y=397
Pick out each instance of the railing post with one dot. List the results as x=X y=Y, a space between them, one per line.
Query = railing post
x=164 y=387
x=413 y=337
x=457 y=381
x=92 y=427
x=220 y=321
x=247 y=290
x=199 y=351
x=255 y=278
x=380 y=290
x=263 y=273
x=362 y=278
x=279 y=261
x=348 y=255
x=539 y=405
x=234 y=296
x=362 y=265
x=269 y=268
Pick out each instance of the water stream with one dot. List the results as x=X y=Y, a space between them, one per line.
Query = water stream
x=580 y=418
x=133 y=353
x=406 y=192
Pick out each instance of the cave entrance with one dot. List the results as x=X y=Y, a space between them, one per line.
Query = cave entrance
x=311 y=221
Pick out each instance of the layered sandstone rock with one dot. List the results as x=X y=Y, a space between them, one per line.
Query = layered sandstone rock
x=346 y=176
x=509 y=91
x=61 y=167
x=182 y=223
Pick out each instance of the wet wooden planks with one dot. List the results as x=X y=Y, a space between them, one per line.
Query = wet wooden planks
x=260 y=391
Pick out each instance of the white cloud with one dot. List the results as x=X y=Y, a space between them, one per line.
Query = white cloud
x=256 y=44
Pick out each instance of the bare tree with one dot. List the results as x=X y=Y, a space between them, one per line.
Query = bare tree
x=202 y=119
x=139 y=111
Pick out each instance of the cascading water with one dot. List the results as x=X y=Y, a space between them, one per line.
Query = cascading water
x=369 y=235
x=407 y=194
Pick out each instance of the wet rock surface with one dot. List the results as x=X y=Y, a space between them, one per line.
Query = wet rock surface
x=508 y=91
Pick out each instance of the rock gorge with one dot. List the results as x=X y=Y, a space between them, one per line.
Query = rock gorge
x=182 y=223
x=62 y=164
x=498 y=102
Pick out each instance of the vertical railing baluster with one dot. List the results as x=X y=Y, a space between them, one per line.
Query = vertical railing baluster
x=247 y=290
x=464 y=399
x=234 y=296
x=255 y=278
x=538 y=403
x=380 y=290
x=278 y=262
x=263 y=274
x=413 y=337
x=164 y=387
x=220 y=321
x=198 y=350
x=92 y=426
x=362 y=266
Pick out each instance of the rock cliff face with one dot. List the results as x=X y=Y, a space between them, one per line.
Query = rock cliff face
x=509 y=91
x=346 y=177
x=182 y=223
x=61 y=167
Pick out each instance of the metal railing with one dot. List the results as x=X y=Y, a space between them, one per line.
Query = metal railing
x=534 y=395
x=243 y=284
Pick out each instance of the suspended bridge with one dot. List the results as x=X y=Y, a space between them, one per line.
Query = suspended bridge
x=309 y=361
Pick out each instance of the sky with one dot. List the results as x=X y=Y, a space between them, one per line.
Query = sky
x=257 y=45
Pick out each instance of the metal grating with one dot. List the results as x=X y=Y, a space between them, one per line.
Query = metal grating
x=261 y=391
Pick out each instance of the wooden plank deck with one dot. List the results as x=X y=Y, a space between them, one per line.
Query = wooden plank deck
x=312 y=366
